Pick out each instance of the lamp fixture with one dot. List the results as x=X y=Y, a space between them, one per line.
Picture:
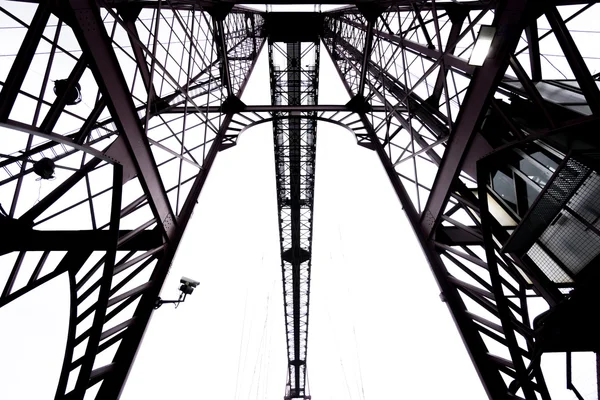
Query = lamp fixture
x=482 y=45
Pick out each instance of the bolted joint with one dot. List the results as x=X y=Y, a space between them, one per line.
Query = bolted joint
x=129 y=11
x=232 y=105
x=371 y=11
x=359 y=104
x=158 y=105
x=456 y=12
x=219 y=11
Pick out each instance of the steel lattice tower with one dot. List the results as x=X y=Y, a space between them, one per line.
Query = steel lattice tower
x=495 y=162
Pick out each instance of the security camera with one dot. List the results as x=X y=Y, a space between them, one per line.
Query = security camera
x=188 y=285
x=189 y=282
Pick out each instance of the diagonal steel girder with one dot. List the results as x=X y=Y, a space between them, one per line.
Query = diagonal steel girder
x=124 y=358
x=222 y=46
x=366 y=55
x=428 y=115
x=511 y=17
x=84 y=18
x=130 y=15
x=391 y=85
x=93 y=39
x=489 y=375
x=587 y=83
x=486 y=364
x=124 y=362
x=418 y=48
x=114 y=383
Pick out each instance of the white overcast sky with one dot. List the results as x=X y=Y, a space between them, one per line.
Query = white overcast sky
x=378 y=329
x=375 y=310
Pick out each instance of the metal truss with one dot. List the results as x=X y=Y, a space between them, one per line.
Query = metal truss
x=415 y=59
x=294 y=84
x=161 y=83
x=127 y=177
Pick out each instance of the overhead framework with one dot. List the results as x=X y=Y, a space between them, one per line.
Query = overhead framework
x=496 y=166
x=294 y=82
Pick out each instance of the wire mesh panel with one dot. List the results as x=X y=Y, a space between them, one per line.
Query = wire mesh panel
x=565 y=181
x=573 y=237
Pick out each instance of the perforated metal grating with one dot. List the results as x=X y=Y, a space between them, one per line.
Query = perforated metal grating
x=573 y=239
x=543 y=212
x=547 y=265
x=586 y=201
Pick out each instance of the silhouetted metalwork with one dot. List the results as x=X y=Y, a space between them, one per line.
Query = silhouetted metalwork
x=294 y=81
x=496 y=166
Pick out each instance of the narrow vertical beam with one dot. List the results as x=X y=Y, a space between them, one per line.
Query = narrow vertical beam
x=533 y=42
x=366 y=57
x=130 y=14
x=423 y=27
x=531 y=89
x=294 y=82
x=222 y=46
x=457 y=18
x=13 y=275
x=598 y=374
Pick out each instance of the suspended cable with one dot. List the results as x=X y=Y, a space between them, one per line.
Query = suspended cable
x=262 y=344
x=267 y=335
x=345 y=375
x=362 y=387
x=237 y=379
x=353 y=319
x=337 y=341
x=273 y=285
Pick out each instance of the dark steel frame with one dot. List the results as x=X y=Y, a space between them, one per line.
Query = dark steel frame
x=415 y=101
x=295 y=83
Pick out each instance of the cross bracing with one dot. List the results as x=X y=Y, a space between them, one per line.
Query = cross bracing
x=463 y=146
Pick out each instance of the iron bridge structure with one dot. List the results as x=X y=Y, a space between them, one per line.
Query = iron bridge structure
x=495 y=164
